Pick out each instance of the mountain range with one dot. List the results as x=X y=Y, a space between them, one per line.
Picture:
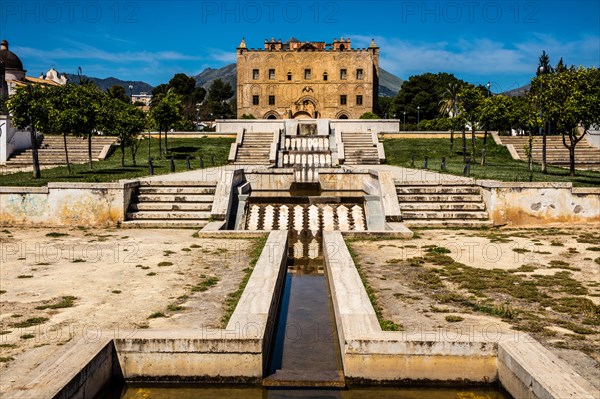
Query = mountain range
x=106 y=83
x=389 y=84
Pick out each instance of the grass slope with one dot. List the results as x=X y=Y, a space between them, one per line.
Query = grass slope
x=499 y=163
x=111 y=170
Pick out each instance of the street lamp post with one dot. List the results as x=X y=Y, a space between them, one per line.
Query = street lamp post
x=404 y=119
x=488 y=87
x=197 y=116
x=131 y=93
x=418 y=116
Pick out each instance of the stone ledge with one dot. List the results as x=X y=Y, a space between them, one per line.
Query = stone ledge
x=533 y=371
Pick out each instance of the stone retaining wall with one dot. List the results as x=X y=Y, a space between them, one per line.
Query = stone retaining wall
x=534 y=204
x=66 y=204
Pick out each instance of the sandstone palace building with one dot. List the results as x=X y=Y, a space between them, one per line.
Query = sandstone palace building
x=305 y=80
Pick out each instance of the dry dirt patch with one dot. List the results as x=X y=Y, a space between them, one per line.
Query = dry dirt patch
x=545 y=282
x=61 y=284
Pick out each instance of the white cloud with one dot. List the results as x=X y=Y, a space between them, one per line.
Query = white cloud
x=479 y=56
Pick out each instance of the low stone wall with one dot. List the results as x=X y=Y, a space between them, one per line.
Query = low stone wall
x=364 y=125
x=237 y=126
x=66 y=204
x=534 y=204
x=422 y=134
x=83 y=369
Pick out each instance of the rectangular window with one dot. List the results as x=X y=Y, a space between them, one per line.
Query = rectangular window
x=271 y=100
x=343 y=73
x=255 y=74
x=359 y=74
x=359 y=100
x=325 y=77
x=343 y=99
x=271 y=74
x=255 y=100
x=307 y=74
x=289 y=76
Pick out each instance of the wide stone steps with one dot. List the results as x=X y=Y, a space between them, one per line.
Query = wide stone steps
x=444 y=215
x=165 y=224
x=359 y=149
x=452 y=223
x=439 y=198
x=174 y=198
x=443 y=206
x=160 y=206
x=177 y=183
x=51 y=151
x=439 y=190
x=254 y=149
x=556 y=153
x=173 y=215
x=176 y=204
x=459 y=205
x=176 y=190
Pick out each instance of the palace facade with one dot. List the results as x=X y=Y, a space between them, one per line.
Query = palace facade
x=307 y=80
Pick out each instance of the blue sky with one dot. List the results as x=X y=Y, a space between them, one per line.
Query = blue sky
x=478 y=41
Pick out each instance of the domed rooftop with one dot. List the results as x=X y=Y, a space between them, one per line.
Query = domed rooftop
x=10 y=59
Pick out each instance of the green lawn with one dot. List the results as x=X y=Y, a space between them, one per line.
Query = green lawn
x=111 y=170
x=499 y=163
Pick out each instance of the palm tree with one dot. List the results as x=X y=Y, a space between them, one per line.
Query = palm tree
x=449 y=107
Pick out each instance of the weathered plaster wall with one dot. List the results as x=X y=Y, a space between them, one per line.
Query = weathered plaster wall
x=532 y=204
x=66 y=204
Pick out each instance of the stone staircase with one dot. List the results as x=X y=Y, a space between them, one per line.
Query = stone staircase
x=255 y=149
x=446 y=204
x=177 y=204
x=586 y=156
x=51 y=151
x=359 y=149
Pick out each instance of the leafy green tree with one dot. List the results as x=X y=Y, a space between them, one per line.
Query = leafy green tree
x=118 y=92
x=28 y=107
x=369 y=115
x=123 y=121
x=494 y=111
x=572 y=100
x=449 y=106
x=219 y=101
x=182 y=84
x=471 y=98
x=544 y=62
x=425 y=91
x=560 y=67
x=166 y=113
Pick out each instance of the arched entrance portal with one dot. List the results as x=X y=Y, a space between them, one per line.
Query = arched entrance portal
x=342 y=115
x=271 y=115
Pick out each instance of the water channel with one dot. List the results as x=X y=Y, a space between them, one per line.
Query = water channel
x=305 y=361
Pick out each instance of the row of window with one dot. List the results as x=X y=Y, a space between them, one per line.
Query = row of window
x=308 y=74
x=343 y=100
